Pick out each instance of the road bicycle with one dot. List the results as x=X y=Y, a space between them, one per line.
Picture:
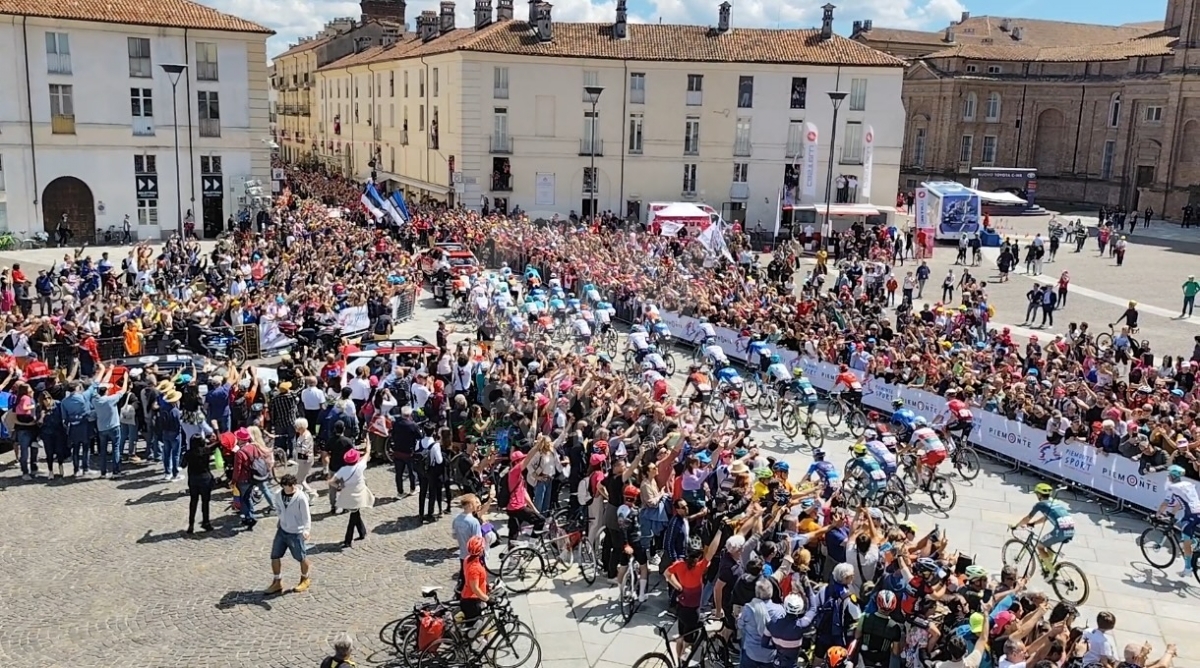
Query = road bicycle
x=402 y=633
x=1104 y=340
x=709 y=650
x=792 y=414
x=558 y=548
x=607 y=341
x=628 y=592
x=488 y=641
x=1068 y=580
x=839 y=409
x=1161 y=544
x=939 y=488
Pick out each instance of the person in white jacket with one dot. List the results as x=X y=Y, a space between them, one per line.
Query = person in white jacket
x=295 y=522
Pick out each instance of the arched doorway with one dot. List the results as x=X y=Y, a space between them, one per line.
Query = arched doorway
x=69 y=195
x=1047 y=142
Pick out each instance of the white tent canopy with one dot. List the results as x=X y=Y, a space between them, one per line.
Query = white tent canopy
x=681 y=210
x=999 y=197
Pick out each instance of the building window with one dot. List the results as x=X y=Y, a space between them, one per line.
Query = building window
x=989 y=151
x=392 y=159
x=745 y=92
x=379 y=84
x=437 y=82
x=405 y=85
x=58 y=53
x=635 y=133
x=1 y=173
x=993 y=69
x=500 y=83
x=210 y=113
x=206 y=62
x=852 y=144
x=637 y=88
x=591 y=142
x=799 y=92
x=993 y=107
x=147 y=210
x=590 y=78
x=1154 y=114
x=691 y=137
x=695 y=90
x=434 y=134
x=964 y=148
x=795 y=138
x=142 y=102
x=741 y=139
x=62 y=109
x=139 y=57
x=391 y=84
x=420 y=84
x=589 y=180
x=391 y=115
x=689 y=178
x=741 y=172
x=421 y=117
x=919 y=148
x=858 y=94
x=968 y=107
x=1110 y=154
x=972 y=69
x=1114 y=110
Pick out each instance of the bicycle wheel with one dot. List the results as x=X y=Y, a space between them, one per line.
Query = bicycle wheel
x=767 y=405
x=406 y=645
x=1070 y=583
x=716 y=408
x=511 y=650
x=654 y=660
x=966 y=462
x=441 y=654
x=856 y=422
x=789 y=421
x=1159 y=546
x=521 y=569
x=751 y=388
x=628 y=593
x=894 y=503
x=716 y=653
x=834 y=412
x=1018 y=554
x=814 y=436
x=1104 y=340
x=589 y=566
x=942 y=493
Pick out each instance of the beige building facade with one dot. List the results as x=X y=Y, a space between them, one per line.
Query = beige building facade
x=1107 y=115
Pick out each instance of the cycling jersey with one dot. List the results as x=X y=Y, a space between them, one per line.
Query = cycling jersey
x=558 y=304
x=928 y=440
x=1057 y=514
x=656 y=361
x=661 y=328
x=778 y=372
x=729 y=375
x=591 y=292
x=707 y=329
x=531 y=308
x=573 y=304
x=849 y=380
x=652 y=376
x=700 y=381
x=881 y=454
x=905 y=418
x=716 y=355
x=581 y=328
x=603 y=316
x=639 y=340
x=959 y=410
x=1182 y=496
x=757 y=347
x=824 y=470
x=873 y=473
x=805 y=389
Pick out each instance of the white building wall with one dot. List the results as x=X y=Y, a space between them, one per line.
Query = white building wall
x=101 y=151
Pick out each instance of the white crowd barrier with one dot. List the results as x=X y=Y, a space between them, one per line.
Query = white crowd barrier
x=1079 y=463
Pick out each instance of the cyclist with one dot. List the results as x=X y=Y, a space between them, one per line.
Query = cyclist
x=864 y=467
x=604 y=316
x=786 y=634
x=655 y=380
x=532 y=308
x=1057 y=514
x=879 y=637
x=591 y=294
x=698 y=380
x=631 y=537
x=959 y=418
x=581 y=329
x=573 y=302
x=708 y=333
x=803 y=388
x=758 y=347
x=653 y=357
x=558 y=307
x=902 y=417
x=728 y=378
x=1182 y=498
x=639 y=342
x=778 y=374
x=879 y=450
x=660 y=331
x=714 y=354
x=933 y=451
x=825 y=471
x=1130 y=316
x=847 y=379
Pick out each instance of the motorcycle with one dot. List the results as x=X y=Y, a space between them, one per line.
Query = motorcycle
x=223 y=344
x=313 y=341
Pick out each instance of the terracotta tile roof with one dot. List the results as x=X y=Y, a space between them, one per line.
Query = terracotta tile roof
x=303 y=46
x=647 y=42
x=1147 y=46
x=1034 y=32
x=162 y=13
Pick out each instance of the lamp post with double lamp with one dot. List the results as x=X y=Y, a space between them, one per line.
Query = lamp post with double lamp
x=174 y=71
x=593 y=96
x=835 y=96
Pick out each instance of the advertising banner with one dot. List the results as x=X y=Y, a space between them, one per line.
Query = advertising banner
x=868 y=156
x=1079 y=463
x=809 y=184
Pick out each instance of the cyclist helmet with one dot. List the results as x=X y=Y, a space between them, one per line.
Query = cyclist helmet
x=1175 y=472
x=797 y=373
x=703 y=319
x=651 y=348
x=693 y=367
x=475 y=546
x=762 y=473
x=1043 y=489
x=976 y=572
x=637 y=329
x=734 y=395
x=885 y=601
x=632 y=492
x=860 y=449
x=794 y=605
x=776 y=359
x=920 y=421
x=782 y=466
x=843 y=368
x=870 y=434
x=818 y=454
x=897 y=403
x=835 y=657
x=926 y=565
x=873 y=416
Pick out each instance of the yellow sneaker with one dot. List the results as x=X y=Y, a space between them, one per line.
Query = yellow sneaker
x=275 y=588
x=302 y=585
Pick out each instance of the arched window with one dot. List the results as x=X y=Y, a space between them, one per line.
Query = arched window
x=1114 y=110
x=993 y=107
x=969 y=104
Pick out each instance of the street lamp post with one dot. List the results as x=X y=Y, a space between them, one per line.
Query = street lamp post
x=173 y=71
x=835 y=96
x=593 y=96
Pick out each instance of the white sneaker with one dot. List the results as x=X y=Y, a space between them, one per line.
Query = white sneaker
x=26 y=477
x=166 y=477
x=1185 y=572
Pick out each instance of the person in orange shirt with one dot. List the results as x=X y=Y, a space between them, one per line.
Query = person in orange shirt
x=133 y=337
x=475 y=580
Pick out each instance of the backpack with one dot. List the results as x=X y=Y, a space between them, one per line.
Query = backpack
x=501 y=490
x=420 y=460
x=831 y=622
x=261 y=468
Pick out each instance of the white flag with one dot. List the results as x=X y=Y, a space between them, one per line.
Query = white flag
x=868 y=155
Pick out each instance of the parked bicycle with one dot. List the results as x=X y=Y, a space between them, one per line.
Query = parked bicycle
x=558 y=548
x=709 y=650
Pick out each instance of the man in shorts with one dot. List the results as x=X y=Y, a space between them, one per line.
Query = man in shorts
x=295 y=522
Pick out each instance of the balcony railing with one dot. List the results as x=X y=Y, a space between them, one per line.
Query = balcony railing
x=502 y=144
x=695 y=98
x=62 y=124
x=58 y=63
x=210 y=127
x=637 y=96
x=742 y=148
x=501 y=183
x=500 y=93
x=591 y=147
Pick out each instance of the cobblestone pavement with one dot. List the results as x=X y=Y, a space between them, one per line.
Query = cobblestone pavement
x=99 y=573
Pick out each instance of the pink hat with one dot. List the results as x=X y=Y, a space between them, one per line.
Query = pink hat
x=542 y=400
x=374 y=381
x=242 y=434
x=351 y=457
x=516 y=456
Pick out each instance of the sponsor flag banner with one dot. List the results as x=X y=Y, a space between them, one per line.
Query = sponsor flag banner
x=809 y=182
x=868 y=156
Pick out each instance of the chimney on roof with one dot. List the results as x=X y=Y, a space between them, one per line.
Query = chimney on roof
x=857 y=28
x=827 y=21
x=504 y=10
x=867 y=25
x=621 y=27
x=965 y=16
x=533 y=9
x=545 y=27
x=949 y=36
x=1017 y=33
x=447 y=18
x=1005 y=24
x=723 y=11
x=483 y=13
x=427 y=25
